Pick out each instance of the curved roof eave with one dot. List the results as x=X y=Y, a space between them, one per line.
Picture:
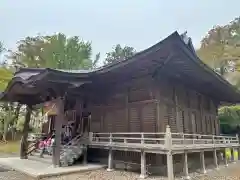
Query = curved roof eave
x=175 y=38
x=210 y=71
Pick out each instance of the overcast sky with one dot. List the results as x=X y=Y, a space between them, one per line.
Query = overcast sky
x=137 y=23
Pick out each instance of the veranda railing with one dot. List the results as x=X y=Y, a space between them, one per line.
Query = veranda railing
x=167 y=140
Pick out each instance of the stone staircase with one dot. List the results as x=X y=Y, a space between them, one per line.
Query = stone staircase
x=72 y=151
x=70 y=154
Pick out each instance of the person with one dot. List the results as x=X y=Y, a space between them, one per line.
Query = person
x=49 y=143
x=42 y=146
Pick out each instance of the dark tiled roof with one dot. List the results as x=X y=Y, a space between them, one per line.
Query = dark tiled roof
x=199 y=74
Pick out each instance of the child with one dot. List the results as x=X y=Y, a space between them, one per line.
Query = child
x=48 y=145
x=41 y=147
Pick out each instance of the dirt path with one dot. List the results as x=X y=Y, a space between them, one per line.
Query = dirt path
x=230 y=173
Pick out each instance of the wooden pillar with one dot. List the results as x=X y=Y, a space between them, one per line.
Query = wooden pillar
x=170 y=166
x=58 y=130
x=110 y=155
x=168 y=145
x=143 y=165
x=185 y=168
x=234 y=160
x=110 y=160
x=215 y=158
x=202 y=160
x=49 y=124
x=225 y=157
x=238 y=150
x=85 y=155
x=24 y=143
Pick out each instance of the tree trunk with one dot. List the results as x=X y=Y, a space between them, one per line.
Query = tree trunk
x=6 y=124
x=24 y=144
x=10 y=119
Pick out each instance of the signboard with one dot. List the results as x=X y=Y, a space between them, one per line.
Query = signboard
x=50 y=108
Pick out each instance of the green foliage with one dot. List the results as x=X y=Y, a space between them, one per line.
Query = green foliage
x=229 y=115
x=118 y=54
x=1 y=47
x=55 y=51
x=5 y=76
x=220 y=49
x=20 y=124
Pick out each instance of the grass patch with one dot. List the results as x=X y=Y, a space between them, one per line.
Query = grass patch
x=10 y=147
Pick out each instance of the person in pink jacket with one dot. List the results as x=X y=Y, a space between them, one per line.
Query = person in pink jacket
x=41 y=146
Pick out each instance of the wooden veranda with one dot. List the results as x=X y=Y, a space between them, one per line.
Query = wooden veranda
x=162 y=101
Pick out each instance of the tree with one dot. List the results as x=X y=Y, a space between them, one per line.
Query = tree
x=55 y=51
x=9 y=111
x=118 y=54
x=220 y=49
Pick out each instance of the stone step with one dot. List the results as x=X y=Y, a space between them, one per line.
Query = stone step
x=36 y=157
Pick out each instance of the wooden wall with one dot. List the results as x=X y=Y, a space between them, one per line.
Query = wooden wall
x=148 y=105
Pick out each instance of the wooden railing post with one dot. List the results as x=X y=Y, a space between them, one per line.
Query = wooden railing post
x=142 y=138
x=110 y=138
x=110 y=154
x=168 y=138
x=213 y=140
x=168 y=146
x=90 y=137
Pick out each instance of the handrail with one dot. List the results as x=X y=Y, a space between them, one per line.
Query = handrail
x=31 y=146
x=133 y=133
x=76 y=137
x=176 y=139
x=35 y=143
x=70 y=142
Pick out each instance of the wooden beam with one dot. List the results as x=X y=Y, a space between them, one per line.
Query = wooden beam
x=58 y=130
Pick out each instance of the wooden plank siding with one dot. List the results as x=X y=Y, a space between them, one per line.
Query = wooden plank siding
x=144 y=106
x=147 y=105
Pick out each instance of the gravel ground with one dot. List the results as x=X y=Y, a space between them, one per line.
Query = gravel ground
x=230 y=173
